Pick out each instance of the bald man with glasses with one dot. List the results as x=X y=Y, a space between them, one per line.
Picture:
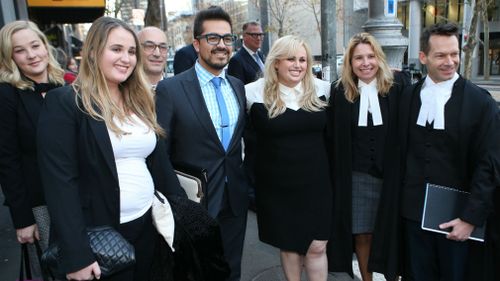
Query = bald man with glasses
x=155 y=53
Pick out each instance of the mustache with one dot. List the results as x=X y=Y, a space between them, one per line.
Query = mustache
x=219 y=49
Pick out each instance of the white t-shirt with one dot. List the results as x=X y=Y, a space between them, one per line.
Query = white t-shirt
x=135 y=181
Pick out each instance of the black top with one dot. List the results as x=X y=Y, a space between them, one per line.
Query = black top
x=431 y=158
x=19 y=174
x=368 y=142
x=293 y=190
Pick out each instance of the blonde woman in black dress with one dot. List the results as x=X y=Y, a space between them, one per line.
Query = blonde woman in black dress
x=293 y=193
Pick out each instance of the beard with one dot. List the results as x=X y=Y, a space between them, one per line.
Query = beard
x=215 y=63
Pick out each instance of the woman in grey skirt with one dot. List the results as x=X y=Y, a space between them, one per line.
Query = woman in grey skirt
x=362 y=137
x=27 y=71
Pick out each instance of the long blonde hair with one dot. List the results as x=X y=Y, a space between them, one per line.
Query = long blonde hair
x=91 y=86
x=349 y=80
x=283 y=48
x=9 y=72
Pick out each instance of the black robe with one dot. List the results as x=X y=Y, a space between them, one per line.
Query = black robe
x=479 y=154
x=384 y=254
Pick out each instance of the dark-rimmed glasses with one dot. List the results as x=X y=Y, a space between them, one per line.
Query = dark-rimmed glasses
x=214 y=38
x=255 y=35
x=150 y=47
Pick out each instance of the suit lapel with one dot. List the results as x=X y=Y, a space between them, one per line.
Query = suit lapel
x=404 y=113
x=240 y=96
x=103 y=141
x=193 y=93
x=250 y=60
x=32 y=103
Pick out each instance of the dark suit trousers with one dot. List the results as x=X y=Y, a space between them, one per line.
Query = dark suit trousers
x=233 y=236
x=432 y=257
x=143 y=236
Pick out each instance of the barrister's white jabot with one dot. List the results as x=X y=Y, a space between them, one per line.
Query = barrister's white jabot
x=369 y=103
x=434 y=97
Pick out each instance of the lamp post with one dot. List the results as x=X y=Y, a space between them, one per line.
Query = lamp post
x=384 y=25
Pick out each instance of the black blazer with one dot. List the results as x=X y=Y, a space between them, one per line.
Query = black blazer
x=80 y=178
x=243 y=66
x=192 y=139
x=19 y=175
x=184 y=58
x=479 y=145
x=383 y=257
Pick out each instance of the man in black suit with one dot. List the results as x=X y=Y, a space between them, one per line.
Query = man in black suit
x=248 y=63
x=203 y=113
x=184 y=58
x=450 y=132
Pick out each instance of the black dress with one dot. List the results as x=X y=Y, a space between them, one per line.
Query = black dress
x=293 y=191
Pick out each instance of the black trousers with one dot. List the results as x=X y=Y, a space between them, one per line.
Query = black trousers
x=143 y=236
x=232 y=229
x=432 y=257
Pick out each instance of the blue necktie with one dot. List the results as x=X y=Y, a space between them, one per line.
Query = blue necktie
x=259 y=61
x=224 y=116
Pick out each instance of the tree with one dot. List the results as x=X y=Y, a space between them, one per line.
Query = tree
x=155 y=14
x=280 y=13
x=315 y=7
x=471 y=41
x=480 y=12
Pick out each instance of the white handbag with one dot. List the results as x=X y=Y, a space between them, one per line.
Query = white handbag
x=163 y=218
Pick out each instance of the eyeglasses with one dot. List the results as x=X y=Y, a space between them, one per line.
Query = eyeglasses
x=214 y=38
x=151 y=47
x=255 y=35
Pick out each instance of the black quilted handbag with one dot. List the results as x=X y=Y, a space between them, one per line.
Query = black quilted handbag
x=112 y=252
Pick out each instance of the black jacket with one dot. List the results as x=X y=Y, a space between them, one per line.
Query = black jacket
x=479 y=160
x=243 y=66
x=19 y=174
x=80 y=178
x=192 y=138
x=184 y=58
x=383 y=256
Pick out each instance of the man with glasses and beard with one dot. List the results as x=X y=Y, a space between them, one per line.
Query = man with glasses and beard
x=203 y=113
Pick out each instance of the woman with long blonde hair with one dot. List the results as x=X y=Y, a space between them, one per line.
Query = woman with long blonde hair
x=364 y=156
x=27 y=71
x=102 y=154
x=293 y=193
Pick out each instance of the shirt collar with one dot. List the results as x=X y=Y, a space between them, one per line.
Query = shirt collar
x=447 y=85
x=204 y=76
x=248 y=50
x=287 y=91
x=372 y=84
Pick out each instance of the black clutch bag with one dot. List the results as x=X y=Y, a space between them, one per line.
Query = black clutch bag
x=112 y=252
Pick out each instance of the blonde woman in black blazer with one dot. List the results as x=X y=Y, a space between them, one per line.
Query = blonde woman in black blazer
x=27 y=71
x=84 y=131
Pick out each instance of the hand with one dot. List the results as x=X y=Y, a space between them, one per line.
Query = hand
x=460 y=230
x=27 y=234
x=87 y=273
